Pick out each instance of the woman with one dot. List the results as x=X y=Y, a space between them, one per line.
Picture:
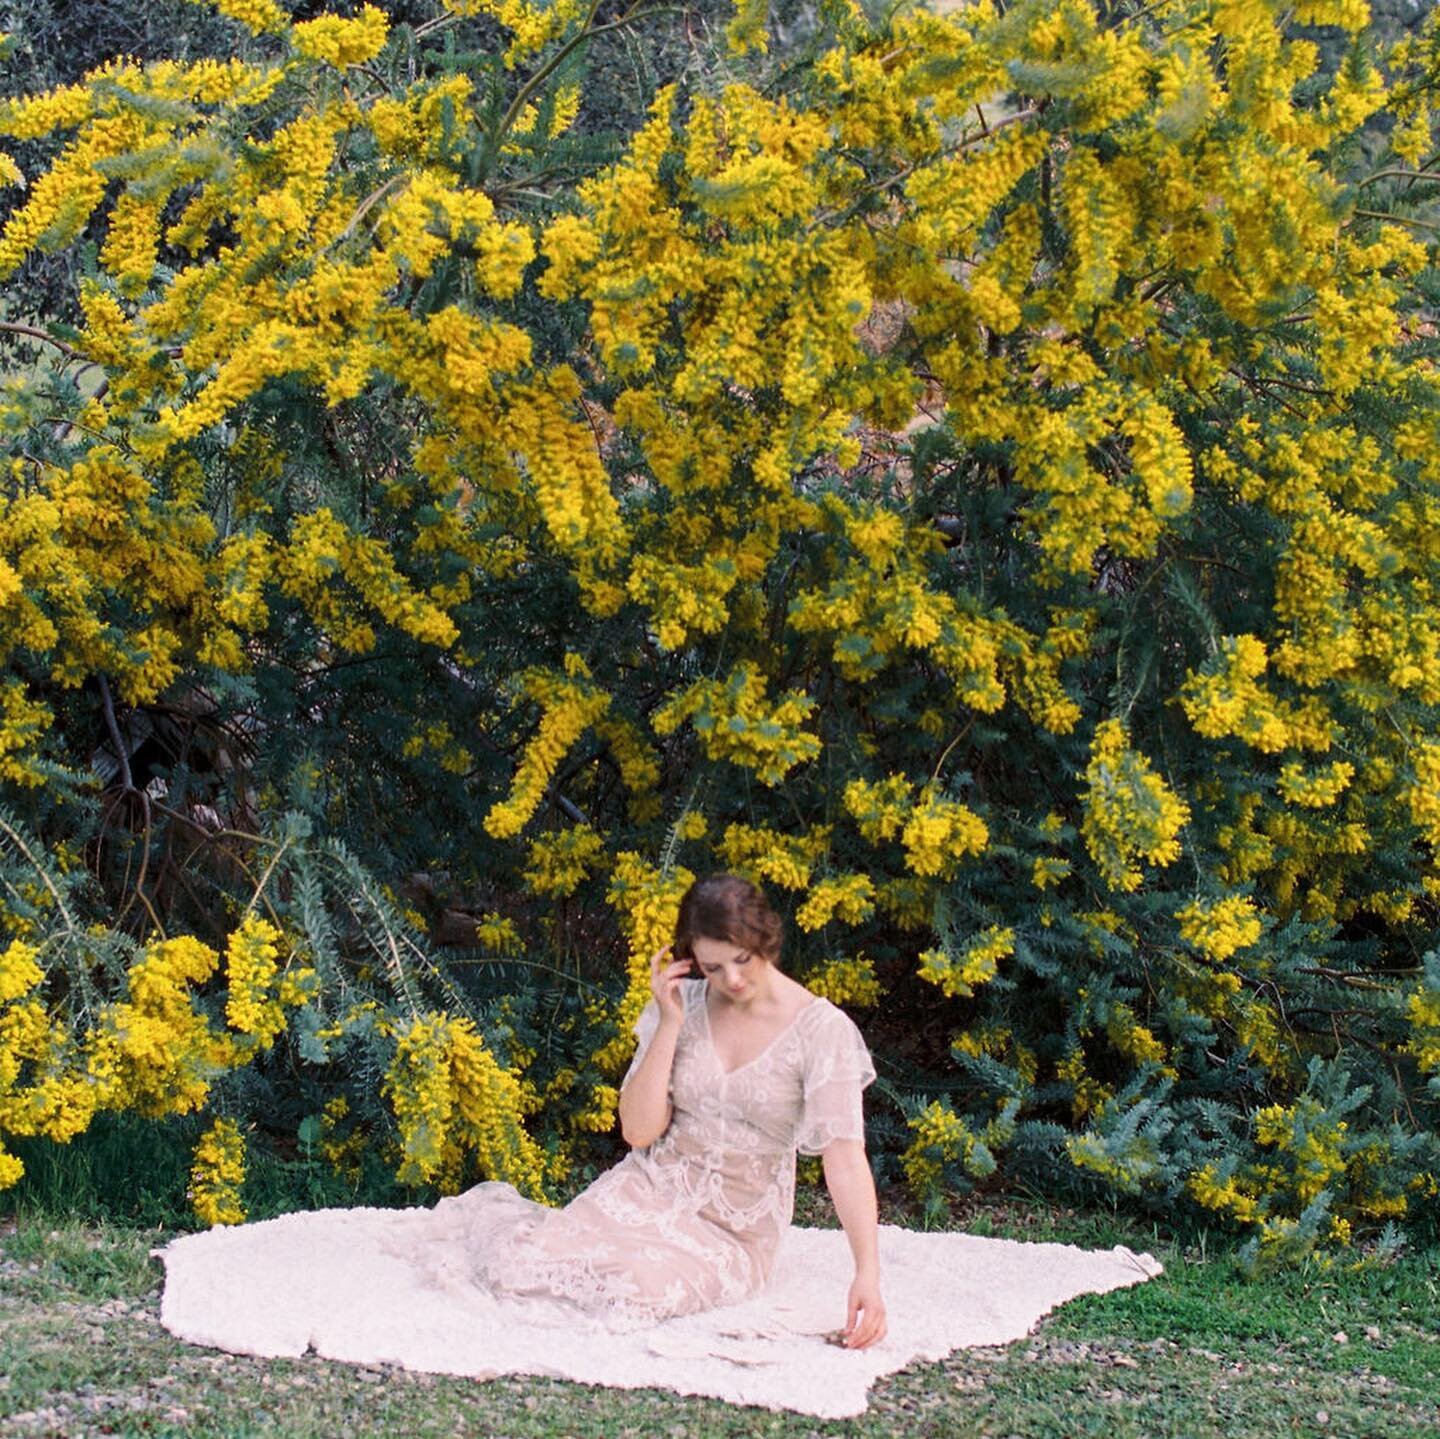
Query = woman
x=737 y=1067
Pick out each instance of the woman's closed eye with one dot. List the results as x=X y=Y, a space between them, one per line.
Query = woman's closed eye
x=715 y=968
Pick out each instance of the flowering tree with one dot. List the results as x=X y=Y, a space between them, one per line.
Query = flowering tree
x=974 y=473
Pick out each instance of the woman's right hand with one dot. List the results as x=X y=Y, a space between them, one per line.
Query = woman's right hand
x=665 y=985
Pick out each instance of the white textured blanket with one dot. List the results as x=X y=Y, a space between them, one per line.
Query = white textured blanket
x=338 y=1282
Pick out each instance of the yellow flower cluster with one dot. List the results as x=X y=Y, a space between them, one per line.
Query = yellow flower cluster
x=254 y=1002
x=1089 y=1095
x=132 y=243
x=1249 y=851
x=999 y=1042
x=32 y=116
x=488 y=1108
x=1230 y=700
x=941 y=1137
x=559 y=862
x=1130 y=813
x=532 y=24
x=164 y=1052
x=976 y=964
x=450 y=1096
x=598 y=1116
x=1048 y=871
x=684 y=599
x=321 y=550
x=62 y=200
x=845 y=980
x=647 y=903
x=880 y=604
x=19 y=973
x=1316 y=789
x=881 y=808
x=569 y=704
x=216 y=1174
x=497 y=934
x=1126 y=1166
x=23 y=722
x=342 y=1152
x=786 y=860
x=1134 y=1040
x=734 y=720
x=939 y=833
x=1422 y=797
x=439 y=739
x=936 y=833
x=1229 y=1194
x=1258 y=1028
x=1220 y=928
x=1314 y=1143
x=851 y=896
x=639 y=766
x=257 y=16
x=341 y=42
x=1422 y=1008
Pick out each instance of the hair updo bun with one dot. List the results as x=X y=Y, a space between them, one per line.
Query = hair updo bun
x=728 y=907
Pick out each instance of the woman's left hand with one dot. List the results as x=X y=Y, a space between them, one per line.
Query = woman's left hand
x=865 y=1313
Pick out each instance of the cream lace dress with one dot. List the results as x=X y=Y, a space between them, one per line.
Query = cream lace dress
x=695 y=1219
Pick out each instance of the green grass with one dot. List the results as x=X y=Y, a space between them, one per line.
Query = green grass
x=1203 y=1351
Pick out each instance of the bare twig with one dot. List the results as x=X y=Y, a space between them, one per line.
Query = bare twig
x=69 y=350
x=121 y=754
x=1399 y=219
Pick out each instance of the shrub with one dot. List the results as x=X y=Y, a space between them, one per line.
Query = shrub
x=973 y=472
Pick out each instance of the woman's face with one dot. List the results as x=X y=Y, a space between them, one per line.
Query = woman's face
x=727 y=966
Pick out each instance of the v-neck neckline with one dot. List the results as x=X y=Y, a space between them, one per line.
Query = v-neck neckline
x=710 y=1034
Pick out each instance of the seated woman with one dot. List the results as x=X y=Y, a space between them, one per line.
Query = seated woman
x=738 y=1067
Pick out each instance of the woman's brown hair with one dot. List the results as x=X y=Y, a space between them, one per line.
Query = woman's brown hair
x=726 y=906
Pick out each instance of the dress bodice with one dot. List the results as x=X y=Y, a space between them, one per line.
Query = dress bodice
x=800 y=1092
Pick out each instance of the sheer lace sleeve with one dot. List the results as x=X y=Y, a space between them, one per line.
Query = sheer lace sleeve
x=645 y=1027
x=837 y=1068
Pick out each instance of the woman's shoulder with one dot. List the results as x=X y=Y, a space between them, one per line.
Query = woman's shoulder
x=826 y=1024
x=833 y=1046
x=820 y=1016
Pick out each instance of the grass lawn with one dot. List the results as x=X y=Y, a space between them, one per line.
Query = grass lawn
x=1202 y=1351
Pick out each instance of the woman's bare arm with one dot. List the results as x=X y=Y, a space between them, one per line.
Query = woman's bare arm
x=645 y=1101
x=852 y=1188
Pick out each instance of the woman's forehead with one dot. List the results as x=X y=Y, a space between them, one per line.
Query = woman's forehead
x=718 y=950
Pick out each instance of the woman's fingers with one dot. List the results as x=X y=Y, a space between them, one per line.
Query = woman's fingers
x=864 y=1325
x=665 y=980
